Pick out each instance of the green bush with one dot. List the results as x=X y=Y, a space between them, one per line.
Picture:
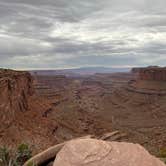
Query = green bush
x=4 y=157
x=23 y=153
x=17 y=158
x=162 y=153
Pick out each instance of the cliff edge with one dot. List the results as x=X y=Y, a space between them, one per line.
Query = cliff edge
x=15 y=87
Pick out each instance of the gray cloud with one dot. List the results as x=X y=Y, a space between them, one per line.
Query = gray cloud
x=62 y=33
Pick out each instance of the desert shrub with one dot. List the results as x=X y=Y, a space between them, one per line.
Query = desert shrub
x=162 y=153
x=15 y=158
x=31 y=164
x=23 y=153
x=5 y=159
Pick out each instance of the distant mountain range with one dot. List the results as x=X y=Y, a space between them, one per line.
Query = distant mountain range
x=80 y=71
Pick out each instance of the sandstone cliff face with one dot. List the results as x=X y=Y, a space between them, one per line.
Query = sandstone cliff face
x=15 y=87
x=151 y=73
x=21 y=112
x=156 y=74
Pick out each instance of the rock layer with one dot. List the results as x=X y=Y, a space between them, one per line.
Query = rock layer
x=151 y=73
x=91 y=152
x=15 y=87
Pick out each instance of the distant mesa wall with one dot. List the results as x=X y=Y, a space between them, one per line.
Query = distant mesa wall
x=156 y=74
x=152 y=73
x=138 y=69
x=15 y=87
x=135 y=70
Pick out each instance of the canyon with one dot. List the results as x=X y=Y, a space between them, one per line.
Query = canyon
x=46 y=110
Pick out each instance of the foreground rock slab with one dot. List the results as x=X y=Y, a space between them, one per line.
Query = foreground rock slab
x=92 y=152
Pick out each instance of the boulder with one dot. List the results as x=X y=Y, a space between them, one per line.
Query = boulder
x=92 y=152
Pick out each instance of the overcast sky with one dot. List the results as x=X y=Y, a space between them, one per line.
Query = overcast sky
x=37 y=34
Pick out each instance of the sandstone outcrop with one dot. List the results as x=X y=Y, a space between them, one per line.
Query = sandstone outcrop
x=15 y=87
x=150 y=80
x=152 y=73
x=49 y=154
x=138 y=69
x=91 y=152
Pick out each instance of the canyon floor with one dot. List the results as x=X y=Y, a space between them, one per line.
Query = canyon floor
x=100 y=104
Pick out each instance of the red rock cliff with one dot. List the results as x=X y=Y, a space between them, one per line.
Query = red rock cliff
x=15 y=87
x=151 y=73
x=155 y=74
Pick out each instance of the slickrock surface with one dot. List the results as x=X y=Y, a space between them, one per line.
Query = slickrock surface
x=91 y=152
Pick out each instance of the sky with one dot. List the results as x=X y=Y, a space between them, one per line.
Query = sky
x=56 y=34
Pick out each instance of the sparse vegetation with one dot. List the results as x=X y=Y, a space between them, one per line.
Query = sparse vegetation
x=5 y=159
x=162 y=154
x=9 y=157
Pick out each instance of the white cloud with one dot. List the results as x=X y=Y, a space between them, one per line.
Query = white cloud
x=62 y=33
